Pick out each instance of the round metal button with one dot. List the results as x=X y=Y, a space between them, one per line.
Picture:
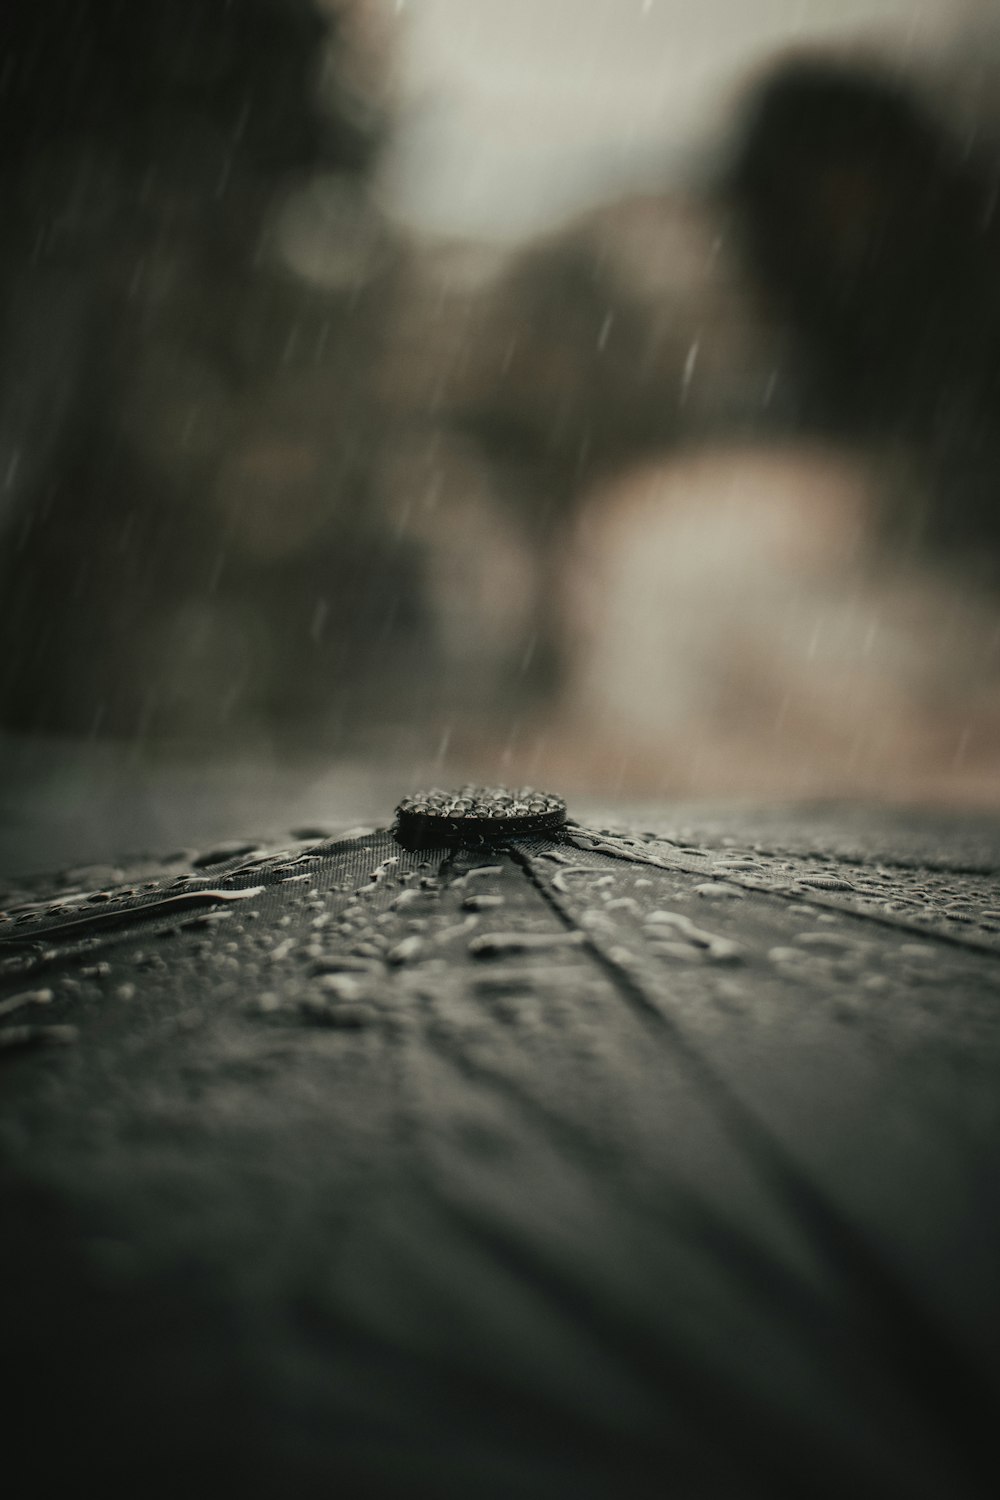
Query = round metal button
x=475 y=813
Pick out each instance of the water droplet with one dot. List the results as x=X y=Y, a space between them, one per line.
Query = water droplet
x=719 y=949
x=717 y=890
x=408 y=951
x=344 y=963
x=792 y=956
x=341 y=1016
x=624 y=957
x=265 y=1004
x=560 y=877
x=340 y=986
x=835 y=942
x=687 y=952
x=824 y=883
x=919 y=953
x=493 y=944
x=28 y=997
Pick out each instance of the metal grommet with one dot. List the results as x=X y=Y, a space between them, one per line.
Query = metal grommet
x=475 y=814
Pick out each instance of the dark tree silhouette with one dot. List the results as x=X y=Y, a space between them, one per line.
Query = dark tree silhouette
x=871 y=230
x=150 y=340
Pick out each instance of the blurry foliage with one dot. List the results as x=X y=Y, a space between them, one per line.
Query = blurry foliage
x=584 y=353
x=187 y=424
x=840 y=277
x=157 y=84
x=869 y=223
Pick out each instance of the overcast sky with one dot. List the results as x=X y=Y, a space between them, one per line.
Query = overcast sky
x=520 y=111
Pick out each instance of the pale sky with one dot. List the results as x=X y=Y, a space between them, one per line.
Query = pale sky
x=517 y=112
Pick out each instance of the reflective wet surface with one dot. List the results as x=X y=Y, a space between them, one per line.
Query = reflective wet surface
x=543 y=1166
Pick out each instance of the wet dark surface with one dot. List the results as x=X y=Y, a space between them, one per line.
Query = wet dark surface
x=552 y=1167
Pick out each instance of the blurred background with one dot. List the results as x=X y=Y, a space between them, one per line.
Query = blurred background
x=601 y=393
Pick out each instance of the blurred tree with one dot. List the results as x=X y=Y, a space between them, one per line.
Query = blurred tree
x=182 y=415
x=869 y=224
x=624 y=336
